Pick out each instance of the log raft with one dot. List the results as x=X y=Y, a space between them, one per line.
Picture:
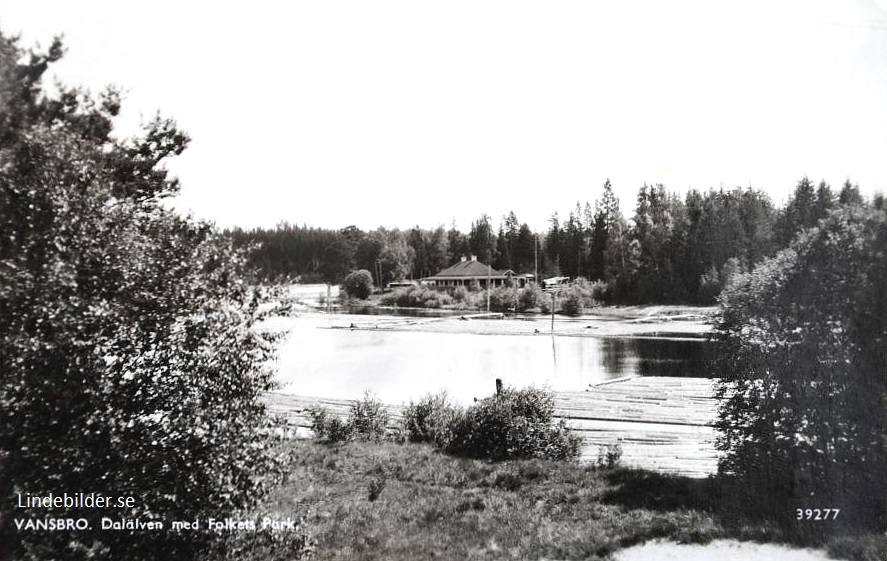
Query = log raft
x=663 y=424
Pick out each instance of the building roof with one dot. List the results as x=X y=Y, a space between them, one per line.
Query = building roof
x=469 y=268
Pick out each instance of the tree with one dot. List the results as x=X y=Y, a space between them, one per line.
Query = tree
x=437 y=250
x=805 y=410
x=419 y=240
x=457 y=245
x=574 y=245
x=482 y=241
x=605 y=214
x=396 y=257
x=358 y=284
x=657 y=213
x=130 y=356
x=799 y=213
x=849 y=194
x=554 y=245
x=503 y=252
x=525 y=250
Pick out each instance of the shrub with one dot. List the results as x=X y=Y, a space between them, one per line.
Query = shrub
x=417 y=297
x=358 y=284
x=367 y=420
x=375 y=487
x=514 y=424
x=804 y=386
x=599 y=291
x=529 y=298
x=431 y=298
x=545 y=303
x=709 y=286
x=430 y=420
x=503 y=299
x=130 y=359
x=329 y=427
x=609 y=456
x=572 y=304
x=460 y=294
x=576 y=297
x=390 y=298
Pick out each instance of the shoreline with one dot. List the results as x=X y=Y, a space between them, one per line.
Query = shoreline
x=635 y=321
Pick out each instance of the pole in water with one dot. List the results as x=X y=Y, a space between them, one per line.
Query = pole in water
x=552 y=310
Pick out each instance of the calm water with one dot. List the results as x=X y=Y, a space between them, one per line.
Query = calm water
x=402 y=365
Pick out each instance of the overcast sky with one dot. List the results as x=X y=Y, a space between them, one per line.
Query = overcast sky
x=371 y=113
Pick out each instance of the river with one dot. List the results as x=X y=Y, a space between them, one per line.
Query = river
x=321 y=357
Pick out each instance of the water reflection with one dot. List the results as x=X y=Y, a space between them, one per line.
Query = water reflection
x=649 y=356
x=618 y=356
x=403 y=365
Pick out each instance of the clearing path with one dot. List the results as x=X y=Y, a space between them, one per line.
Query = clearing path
x=722 y=550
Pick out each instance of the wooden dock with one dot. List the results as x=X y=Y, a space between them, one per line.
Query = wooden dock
x=662 y=424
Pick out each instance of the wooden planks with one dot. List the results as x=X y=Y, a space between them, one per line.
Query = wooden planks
x=661 y=423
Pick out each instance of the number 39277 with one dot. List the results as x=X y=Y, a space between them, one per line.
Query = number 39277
x=817 y=513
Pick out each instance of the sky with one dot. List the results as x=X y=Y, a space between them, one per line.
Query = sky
x=405 y=113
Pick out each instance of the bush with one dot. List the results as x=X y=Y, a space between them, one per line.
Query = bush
x=431 y=298
x=804 y=336
x=514 y=424
x=529 y=298
x=329 y=427
x=609 y=456
x=367 y=420
x=460 y=294
x=572 y=304
x=599 y=291
x=503 y=299
x=545 y=303
x=430 y=420
x=130 y=359
x=417 y=297
x=358 y=284
x=577 y=297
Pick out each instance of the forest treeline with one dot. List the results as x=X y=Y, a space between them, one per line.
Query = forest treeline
x=673 y=250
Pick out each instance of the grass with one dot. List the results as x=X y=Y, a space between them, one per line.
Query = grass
x=408 y=501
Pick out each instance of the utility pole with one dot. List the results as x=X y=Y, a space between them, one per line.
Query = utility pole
x=536 y=260
x=552 y=310
x=489 y=274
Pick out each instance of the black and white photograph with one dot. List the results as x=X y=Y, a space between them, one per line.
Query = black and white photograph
x=464 y=280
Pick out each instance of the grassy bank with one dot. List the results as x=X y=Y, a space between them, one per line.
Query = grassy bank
x=405 y=501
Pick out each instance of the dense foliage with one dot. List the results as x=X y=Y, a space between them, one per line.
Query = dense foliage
x=513 y=424
x=418 y=297
x=358 y=284
x=130 y=359
x=673 y=250
x=804 y=338
x=430 y=420
x=368 y=419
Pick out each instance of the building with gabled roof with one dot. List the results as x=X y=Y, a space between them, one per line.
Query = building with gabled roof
x=468 y=271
